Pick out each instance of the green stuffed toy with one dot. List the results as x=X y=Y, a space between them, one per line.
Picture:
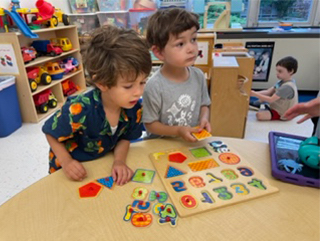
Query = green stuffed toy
x=309 y=152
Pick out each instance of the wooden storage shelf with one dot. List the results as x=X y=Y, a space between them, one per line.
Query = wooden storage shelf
x=17 y=40
x=55 y=82
x=44 y=59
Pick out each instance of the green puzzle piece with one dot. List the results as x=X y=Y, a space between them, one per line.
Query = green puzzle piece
x=200 y=152
x=143 y=175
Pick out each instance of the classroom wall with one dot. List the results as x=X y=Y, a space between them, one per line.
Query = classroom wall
x=305 y=50
x=63 y=4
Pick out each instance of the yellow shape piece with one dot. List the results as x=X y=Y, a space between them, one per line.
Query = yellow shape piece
x=202 y=165
x=202 y=135
x=158 y=154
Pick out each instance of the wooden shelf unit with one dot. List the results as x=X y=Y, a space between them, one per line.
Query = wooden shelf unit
x=17 y=40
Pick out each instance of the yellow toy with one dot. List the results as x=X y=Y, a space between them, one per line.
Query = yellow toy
x=63 y=43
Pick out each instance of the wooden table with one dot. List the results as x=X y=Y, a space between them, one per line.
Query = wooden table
x=51 y=210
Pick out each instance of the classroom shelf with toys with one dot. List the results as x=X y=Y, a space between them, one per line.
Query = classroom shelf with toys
x=60 y=73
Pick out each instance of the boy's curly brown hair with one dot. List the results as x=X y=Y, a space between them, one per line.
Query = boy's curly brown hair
x=114 y=52
x=169 y=21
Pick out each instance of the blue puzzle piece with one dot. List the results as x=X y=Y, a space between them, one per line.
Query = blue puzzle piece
x=106 y=181
x=173 y=172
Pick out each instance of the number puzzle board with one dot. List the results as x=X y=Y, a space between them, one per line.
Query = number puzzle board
x=199 y=179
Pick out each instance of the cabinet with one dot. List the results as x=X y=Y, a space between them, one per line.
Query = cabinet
x=25 y=95
x=230 y=93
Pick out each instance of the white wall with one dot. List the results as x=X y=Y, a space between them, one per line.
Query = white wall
x=63 y=4
x=305 y=50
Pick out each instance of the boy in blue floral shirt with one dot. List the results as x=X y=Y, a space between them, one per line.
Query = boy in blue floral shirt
x=107 y=118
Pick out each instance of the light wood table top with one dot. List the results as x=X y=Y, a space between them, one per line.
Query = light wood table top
x=50 y=209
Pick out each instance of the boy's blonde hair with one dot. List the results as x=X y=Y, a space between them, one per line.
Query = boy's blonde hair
x=169 y=21
x=114 y=52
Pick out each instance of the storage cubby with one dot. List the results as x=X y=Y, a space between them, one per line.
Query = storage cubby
x=25 y=95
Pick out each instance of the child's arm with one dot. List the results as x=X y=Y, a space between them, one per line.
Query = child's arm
x=121 y=173
x=71 y=168
x=158 y=128
x=204 y=118
x=267 y=92
x=265 y=98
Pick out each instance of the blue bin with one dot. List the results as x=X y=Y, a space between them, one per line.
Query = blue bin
x=10 y=117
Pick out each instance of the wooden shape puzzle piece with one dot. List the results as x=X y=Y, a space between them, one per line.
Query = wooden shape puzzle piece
x=229 y=174
x=257 y=183
x=213 y=178
x=143 y=176
x=207 y=198
x=203 y=134
x=245 y=171
x=197 y=182
x=200 y=152
x=202 y=165
x=177 y=157
x=240 y=189
x=179 y=186
x=157 y=155
x=129 y=212
x=229 y=158
x=90 y=190
x=168 y=211
x=141 y=220
x=139 y=193
x=160 y=196
x=188 y=201
x=223 y=193
x=172 y=221
x=173 y=172
x=106 y=181
x=157 y=208
x=141 y=206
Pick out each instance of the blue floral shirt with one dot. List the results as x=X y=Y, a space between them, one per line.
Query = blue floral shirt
x=82 y=126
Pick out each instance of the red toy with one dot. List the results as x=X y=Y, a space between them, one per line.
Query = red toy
x=28 y=54
x=69 y=87
x=45 y=47
x=44 y=100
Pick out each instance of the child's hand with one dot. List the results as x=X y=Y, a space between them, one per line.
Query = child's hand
x=121 y=173
x=204 y=124
x=74 y=170
x=186 y=133
x=252 y=93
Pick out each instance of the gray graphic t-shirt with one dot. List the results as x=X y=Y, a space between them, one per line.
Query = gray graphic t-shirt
x=175 y=104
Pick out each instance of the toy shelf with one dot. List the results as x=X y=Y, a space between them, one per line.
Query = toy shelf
x=17 y=40
x=44 y=59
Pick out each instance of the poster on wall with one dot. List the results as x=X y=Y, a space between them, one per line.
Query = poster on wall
x=203 y=47
x=8 y=63
x=262 y=53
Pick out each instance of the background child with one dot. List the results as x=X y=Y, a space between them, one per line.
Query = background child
x=282 y=95
x=176 y=98
x=108 y=117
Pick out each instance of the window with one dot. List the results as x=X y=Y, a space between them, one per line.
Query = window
x=285 y=10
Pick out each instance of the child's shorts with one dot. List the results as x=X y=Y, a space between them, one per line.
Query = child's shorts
x=274 y=114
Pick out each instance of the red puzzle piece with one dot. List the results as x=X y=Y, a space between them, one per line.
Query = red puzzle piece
x=177 y=157
x=90 y=190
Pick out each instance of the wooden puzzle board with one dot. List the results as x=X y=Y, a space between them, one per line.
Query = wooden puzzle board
x=220 y=185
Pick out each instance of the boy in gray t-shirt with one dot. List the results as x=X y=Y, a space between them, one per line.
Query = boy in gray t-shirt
x=283 y=95
x=176 y=97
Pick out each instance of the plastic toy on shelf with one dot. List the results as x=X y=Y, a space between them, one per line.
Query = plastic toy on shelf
x=45 y=47
x=68 y=66
x=54 y=69
x=28 y=54
x=18 y=20
x=68 y=87
x=45 y=100
x=37 y=75
x=63 y=43
x=49 y=15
